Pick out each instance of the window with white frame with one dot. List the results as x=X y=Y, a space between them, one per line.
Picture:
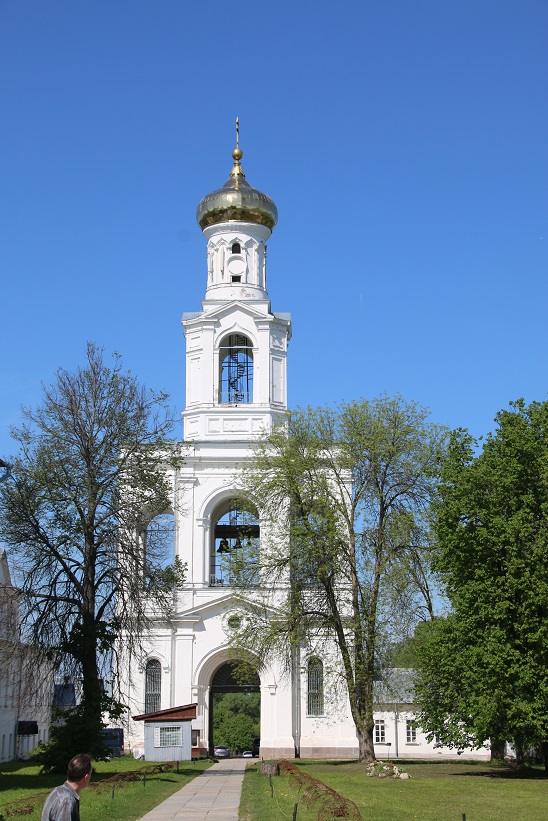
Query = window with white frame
x=168 y=736
x=314 y=703
x=380 y=735
x=411 y=732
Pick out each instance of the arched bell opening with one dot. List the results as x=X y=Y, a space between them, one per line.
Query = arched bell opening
x=160 y=539
x=235 y=708
x=235 y=370
x=156 y=539
x=235 y=543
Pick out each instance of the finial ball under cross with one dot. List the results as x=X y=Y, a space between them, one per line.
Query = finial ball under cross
x=237 y=153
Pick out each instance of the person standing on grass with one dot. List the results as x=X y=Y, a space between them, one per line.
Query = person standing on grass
x=63 y=803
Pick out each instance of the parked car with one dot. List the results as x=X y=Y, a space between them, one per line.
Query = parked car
x=221 y=752
x=247 y=754
x=113 y=739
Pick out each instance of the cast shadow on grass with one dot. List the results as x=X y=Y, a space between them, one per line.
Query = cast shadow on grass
x=12 y=780
x=40 y=783
x=511 y=773
x=436 y=768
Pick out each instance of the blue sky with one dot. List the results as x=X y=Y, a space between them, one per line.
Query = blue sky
x=404 y=143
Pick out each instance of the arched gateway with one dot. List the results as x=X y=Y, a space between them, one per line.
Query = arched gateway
x=230 y=677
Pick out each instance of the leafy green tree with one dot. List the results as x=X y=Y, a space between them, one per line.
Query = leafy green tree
x=236 y=732
x=236 y=720
x=247 y=703
x=484 y=669
x=343 y=495
x=406 y=653
x=89 y=476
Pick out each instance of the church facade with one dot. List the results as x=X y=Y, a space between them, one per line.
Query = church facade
x=236 y=389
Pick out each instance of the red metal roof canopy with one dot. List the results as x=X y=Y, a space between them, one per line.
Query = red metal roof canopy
x=184 y=713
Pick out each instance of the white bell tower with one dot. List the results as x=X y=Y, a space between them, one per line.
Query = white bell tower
x=236 y=389
x=236 y=383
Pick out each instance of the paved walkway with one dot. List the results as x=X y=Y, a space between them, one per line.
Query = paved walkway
x=212 y=796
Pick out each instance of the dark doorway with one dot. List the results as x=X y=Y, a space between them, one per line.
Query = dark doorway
x=238 y=715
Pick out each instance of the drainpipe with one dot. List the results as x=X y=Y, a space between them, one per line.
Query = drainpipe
x=172 y=662
x=396 y=750
x=296 y=687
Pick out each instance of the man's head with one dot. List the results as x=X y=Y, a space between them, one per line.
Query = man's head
x=79 y=770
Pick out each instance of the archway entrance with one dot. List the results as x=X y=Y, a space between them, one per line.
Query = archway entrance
x=234 y=707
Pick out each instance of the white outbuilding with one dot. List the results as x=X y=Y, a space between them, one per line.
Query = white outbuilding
x=167 y=733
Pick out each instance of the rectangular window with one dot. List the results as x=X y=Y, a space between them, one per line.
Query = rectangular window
x=168 y=736
x=195 y=738
x=380 y=736
x=411 y=732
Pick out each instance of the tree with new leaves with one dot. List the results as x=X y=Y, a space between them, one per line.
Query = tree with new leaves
x=343 y=495
x=236 y=720
x=91 y=473
x=484 y=668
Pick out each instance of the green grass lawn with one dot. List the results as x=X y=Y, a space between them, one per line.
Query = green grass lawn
x=131 y=799
x=437 y=791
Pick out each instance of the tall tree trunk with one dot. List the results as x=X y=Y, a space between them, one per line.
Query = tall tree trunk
x=92 y=690
x=544 y=747
x=92 y=701
x=498 y=748
x=518 y=747
x=366 y=750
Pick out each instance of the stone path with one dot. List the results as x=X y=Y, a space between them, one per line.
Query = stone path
x=212 y=796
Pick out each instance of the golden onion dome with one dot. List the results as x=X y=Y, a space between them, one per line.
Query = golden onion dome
x=237 y=201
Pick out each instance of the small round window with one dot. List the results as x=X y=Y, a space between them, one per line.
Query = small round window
x=234 y=622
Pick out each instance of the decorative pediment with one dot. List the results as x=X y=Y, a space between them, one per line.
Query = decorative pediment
x=231 y=307
x=210 y=609
x=205 y=610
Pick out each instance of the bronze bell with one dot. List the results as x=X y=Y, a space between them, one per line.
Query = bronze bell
x=224 y=546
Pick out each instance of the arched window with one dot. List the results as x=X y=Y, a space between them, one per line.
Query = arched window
x=314 y=706
x=153 y=686
x=236 y=370
x=160 y=540
x=236 y=248
x=235 y=547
